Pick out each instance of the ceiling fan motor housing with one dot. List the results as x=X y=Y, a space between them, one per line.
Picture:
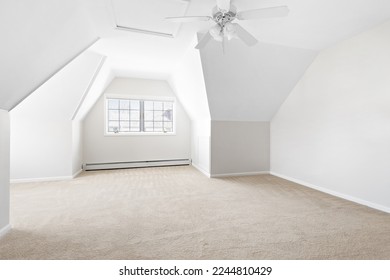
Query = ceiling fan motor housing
x=221 y=17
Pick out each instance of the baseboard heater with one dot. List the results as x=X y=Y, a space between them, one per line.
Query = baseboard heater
x=135 y=164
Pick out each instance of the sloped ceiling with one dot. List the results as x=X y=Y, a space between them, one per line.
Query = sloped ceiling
x=315 y=24
x=147 y=15
x=189 y=86
x=245 y=83
x=310 y=25
x=137 y=54
x=38 y=38
x=102 y=78
x=249 y=84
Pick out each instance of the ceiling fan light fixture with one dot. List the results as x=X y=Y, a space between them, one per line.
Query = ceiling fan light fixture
x=230 y=30
x=224 y=14
x=217 y=33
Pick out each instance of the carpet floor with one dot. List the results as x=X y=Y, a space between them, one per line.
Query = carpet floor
x=178 y=213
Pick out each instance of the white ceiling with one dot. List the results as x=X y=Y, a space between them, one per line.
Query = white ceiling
x=316 y=24
x=247 y=83
x=148 y=15
x=38 y=36
x=310 y=25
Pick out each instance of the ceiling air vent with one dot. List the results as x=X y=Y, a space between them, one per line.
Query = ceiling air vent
x=148 y=16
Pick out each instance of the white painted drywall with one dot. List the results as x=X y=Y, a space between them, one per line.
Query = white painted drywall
x=99 y=148
x=239 y=147
x=333 y=131
x=4 y=169
x=77 y=147
x=201 y=145
x=187 y=81
x=250 y=83
x=41 y=126
x=38 y=38
x=103 y=78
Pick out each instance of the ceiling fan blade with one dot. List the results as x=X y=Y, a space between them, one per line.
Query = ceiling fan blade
x=244 y=35
x=188 y=19
x=279 y=11
x=203 y=42
x=223 y=5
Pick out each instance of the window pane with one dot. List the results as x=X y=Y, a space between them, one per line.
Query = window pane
x=135 y=104
x=168 y=105
x=148 y=115
x=148 y=124
x=158 y=105
x=148 y=105
x=113 y=115
x=113 y=104
x=167 y=115
x=113 y=126
x=158 y=115
x=168 y=127
x=124 y=126
x=125 y=115
x=124 y=104
x=134 y=115
x=135 y=125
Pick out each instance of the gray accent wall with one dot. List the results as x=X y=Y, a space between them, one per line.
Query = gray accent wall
x=239 y=147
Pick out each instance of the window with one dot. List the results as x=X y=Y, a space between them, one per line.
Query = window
x=135 y=116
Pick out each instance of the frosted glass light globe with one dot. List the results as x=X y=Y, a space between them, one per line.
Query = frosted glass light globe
x=215 y=31
x=230 y=30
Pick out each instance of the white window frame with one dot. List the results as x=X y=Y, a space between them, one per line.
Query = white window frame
x=141 y=98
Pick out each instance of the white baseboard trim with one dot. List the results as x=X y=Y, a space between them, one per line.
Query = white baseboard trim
x=239 y=174
x=201 y=170
x=334 y=193
x=46 y=179
x=4 y=230
x=77 y=174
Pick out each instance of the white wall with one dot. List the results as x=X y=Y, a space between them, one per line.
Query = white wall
x=333 y=131
x=41 y=126
x=201 y=145
x=99 y=148
x=239 y=147
x=187 y=81
x=100 y=82
x=188 y=84
x=245 y=87
x=77 y=147
x=4 y=170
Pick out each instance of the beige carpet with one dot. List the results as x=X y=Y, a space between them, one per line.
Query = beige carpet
x=178 y=213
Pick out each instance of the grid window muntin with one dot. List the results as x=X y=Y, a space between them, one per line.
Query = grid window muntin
x=158 y=116
x=138 y=116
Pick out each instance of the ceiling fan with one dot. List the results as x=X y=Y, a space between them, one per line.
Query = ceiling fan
x=223 y=15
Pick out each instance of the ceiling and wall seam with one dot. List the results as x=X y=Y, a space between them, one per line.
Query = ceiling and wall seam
x=86 y=92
